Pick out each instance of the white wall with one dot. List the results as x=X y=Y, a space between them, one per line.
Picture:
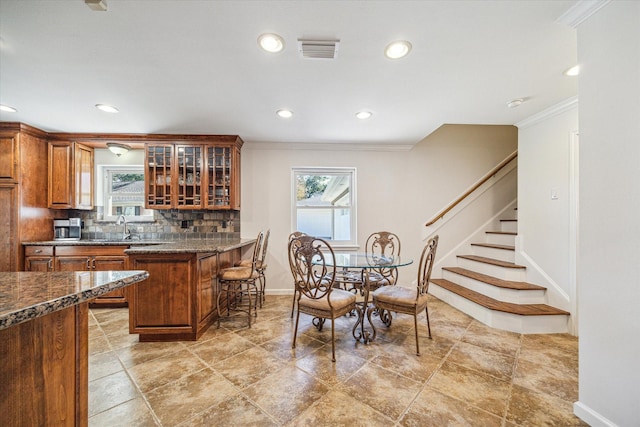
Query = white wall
x=609 y=227
x=545 y=242
x=397 y=190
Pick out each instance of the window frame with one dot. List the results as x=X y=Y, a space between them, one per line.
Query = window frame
x=107 y=171
x=352 y=243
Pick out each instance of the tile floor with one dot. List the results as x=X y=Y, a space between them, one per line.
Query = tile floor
x=468 y=375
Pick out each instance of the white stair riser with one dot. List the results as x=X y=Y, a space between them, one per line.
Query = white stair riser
x=501 y=254
x=511 y=226
x=503 y=273
x=501 y=294
x=500 y=320
x=500 y=239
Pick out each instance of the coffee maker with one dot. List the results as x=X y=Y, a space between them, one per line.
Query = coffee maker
x=67 y=229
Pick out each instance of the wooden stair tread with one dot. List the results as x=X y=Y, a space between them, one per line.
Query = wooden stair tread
x=494 y=246
x=508 y=220
x=494 y=281
x=507 y=233
x=492 y=304
x=492 y=261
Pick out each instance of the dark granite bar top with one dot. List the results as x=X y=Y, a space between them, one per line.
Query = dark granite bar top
x=27 y=295
x=156 y=246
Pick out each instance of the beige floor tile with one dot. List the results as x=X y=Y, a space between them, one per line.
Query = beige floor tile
x=98 y=344
x=248 y=367
x=339 y=409
x=477 y=389
x=497 y=340
x=281 y=346
x=110 y=391
x=232 y=412
x=546 y=379
x=286 y=393
x=267 y=330
x=528 y=408
x=194 y=393
x=483 y=359
x=134 y=413
x=432 y=408
x=140 y=352
x=549 y=353
x=383 y=390
x=224 y=347
x=319 y=365
x=166 y=369
x=103 y=364
x=417 y=368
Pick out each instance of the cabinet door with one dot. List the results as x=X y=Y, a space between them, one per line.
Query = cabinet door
x=8 y=227
x=189 y=170
x=9 y=157
x=43 y=264
x=219 y=176
x=60 y=175
x=73 y=263
x=207 y=288
x=158 y=177
x=105 y=263
x=83 y=197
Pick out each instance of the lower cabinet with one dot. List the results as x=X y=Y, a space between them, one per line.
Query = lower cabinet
x=178 y=300
x=81 y=258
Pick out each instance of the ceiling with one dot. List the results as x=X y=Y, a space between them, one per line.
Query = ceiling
x=195 y=67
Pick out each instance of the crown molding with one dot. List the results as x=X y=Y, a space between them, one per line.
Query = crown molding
x=329 y=146
x=581 y=11
x=554 y=110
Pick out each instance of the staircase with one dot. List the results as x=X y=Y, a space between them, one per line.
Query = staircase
x=489 y=286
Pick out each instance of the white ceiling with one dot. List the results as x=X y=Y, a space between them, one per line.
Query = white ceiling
x=195 y=66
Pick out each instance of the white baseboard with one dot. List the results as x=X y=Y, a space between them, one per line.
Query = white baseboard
x=590 y=416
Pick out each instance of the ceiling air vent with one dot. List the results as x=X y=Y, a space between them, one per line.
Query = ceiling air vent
x=318 y=49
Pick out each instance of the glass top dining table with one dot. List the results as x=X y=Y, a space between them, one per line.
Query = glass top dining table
x=356 y=268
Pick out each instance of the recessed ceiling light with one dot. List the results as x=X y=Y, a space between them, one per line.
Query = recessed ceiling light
x=573 y=71
x=270 y=42
x=107 y=108
x=515 y=103
x=7 y=109
x=362 y=115
x=285 y=114
x=397 y=49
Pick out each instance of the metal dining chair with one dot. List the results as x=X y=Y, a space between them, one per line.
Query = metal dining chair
x=314 y=280
x=410 y=300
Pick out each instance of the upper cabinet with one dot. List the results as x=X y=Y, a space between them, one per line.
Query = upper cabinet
x=70 y=175
x=193 y=176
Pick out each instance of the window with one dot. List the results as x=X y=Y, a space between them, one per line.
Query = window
x=324 y=203
x=124 y=193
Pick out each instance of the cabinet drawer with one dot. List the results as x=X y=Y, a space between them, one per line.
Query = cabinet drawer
x=90 y=250
x=38 y=250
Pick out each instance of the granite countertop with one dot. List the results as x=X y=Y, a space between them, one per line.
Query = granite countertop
x=156 y=246
x=27 y=295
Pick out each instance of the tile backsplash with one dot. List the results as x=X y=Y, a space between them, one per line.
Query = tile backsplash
x=171 y=224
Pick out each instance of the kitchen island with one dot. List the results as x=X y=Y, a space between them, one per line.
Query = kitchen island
x=178 y=300
x=44 y=343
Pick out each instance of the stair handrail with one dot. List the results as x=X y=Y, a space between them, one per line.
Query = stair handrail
x=482 y=180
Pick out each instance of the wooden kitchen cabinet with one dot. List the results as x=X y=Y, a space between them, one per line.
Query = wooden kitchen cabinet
x=38 y=258
x=95 y=258
x=178 y=300
x=70 y=175
x=193 y=176
x=81 y=258
x=24 y=215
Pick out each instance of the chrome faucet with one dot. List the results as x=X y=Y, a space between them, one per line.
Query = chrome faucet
x=125 y=233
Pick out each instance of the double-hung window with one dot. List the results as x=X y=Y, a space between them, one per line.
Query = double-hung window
x=123 y=193
x=324 y=203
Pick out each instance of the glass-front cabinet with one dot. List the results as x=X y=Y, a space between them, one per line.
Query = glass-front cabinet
x=194 y=176
x=159 y=176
